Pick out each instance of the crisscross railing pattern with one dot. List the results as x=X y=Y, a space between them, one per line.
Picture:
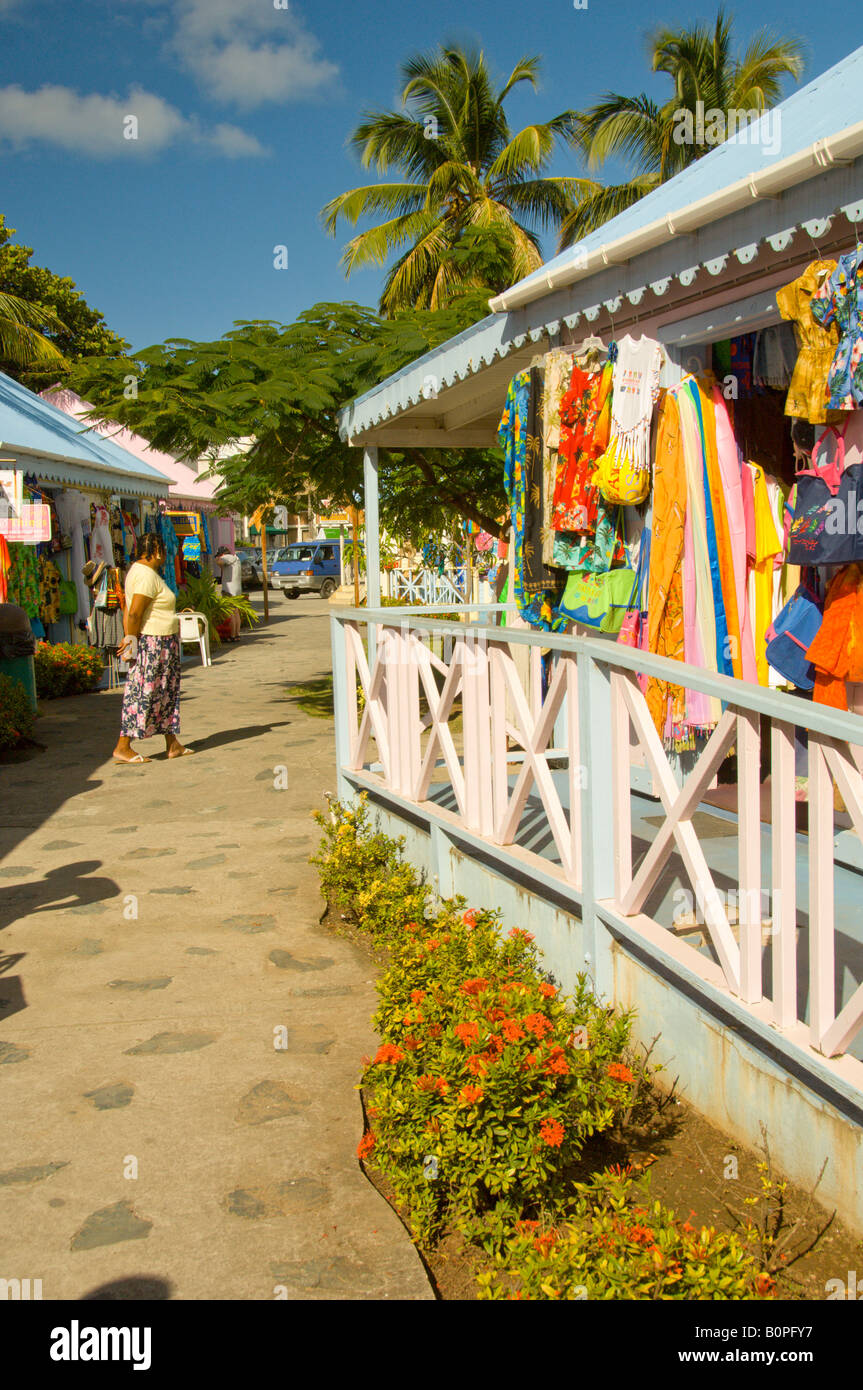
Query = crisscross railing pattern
x=508 y=733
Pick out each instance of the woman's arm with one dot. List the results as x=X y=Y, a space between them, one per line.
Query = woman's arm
x=134 y=619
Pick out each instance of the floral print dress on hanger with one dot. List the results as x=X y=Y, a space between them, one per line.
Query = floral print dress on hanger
x=838 y=301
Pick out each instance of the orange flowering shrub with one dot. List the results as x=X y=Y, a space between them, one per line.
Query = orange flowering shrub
x=481 y=1069
x=66 y=668
x=613 y=1246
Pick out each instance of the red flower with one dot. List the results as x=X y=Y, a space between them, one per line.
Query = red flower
x=538 y=1025
x=474 y=986
x=495 y=1015
x=529 y=1061
x=545 y=1242
x=434 y=1030
x=497 y=1043
x=468 y=1032
x=469 y=917
x=477 y=1064
x=556 y=1064
x=432 y=946
x=548 y=991
x=387 y=1052
x=366 y=1144
x=470 y=1095
x=518 y=935
x=418 y=995
x=511 y=1030
x=411 y=1043
x=551 y=1133
x=618 y=1072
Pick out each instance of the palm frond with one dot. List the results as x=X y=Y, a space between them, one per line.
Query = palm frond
x=374 y=197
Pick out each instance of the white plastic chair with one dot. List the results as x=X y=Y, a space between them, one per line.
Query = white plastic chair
x=194 y=627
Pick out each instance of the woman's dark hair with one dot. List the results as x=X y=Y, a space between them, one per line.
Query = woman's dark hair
x=150 y=546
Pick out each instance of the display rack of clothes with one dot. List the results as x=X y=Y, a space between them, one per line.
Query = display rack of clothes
x=598 y=461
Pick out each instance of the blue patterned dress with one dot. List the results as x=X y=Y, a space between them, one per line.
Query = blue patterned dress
x=838 y=300
x=540 y=610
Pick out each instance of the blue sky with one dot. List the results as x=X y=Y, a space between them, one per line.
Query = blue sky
x=244 y=108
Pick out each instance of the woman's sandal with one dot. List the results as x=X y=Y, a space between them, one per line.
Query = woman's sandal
x=138 y=758
x=180 y=755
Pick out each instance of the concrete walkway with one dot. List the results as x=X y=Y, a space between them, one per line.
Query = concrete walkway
x=159 y=935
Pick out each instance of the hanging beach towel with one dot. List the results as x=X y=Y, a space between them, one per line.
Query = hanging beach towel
x=825 y=529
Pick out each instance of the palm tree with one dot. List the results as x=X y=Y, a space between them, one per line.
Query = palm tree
x=465 y=175
x=20 y=341
x=704 y=70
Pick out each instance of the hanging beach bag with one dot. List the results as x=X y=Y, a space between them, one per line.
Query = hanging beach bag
x=633 y=630
x=600 y=601
x=620 y=481
x=791 y=634
x=68 y=599
x=828 y=527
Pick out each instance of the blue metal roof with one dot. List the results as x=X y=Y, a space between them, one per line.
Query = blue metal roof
x=826 y=105
x=829 y=104
x=53 y=445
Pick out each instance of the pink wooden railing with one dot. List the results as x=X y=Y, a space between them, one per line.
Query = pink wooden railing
x=511 y=730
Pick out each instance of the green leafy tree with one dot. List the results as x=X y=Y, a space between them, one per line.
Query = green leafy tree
x=66 y=328
x=703 y=68
x=284 y=386
x=465 y=174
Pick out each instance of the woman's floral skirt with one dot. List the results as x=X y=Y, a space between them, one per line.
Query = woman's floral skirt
x=151 y=703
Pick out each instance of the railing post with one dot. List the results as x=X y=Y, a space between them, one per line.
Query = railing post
x=341 y=706
x=597 y=821
x=476 y=720
x=373 y=540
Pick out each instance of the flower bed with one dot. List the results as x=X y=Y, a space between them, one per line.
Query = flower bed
x=488 y=1090
x=66 y=668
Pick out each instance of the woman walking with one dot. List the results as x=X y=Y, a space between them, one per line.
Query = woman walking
x=151 y=703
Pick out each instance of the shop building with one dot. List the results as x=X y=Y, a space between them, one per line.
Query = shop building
x=698 y=854
x=86 y=499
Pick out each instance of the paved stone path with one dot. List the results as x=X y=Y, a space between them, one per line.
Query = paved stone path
x=158 y=934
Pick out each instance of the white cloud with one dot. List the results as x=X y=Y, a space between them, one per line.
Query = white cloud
x=248 y=52
x=138 y=124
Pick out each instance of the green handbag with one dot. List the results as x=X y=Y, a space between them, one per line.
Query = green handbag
x=68 y=599
x=599 y=601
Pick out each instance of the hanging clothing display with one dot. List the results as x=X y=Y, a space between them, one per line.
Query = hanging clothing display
x=558 y=369
x=172 y=551
x=49 y=591
x=101 y=546
x=73 y=510
x=537 y=608
x=634 y=392
x=712 y=491
x=807 y=394
x=838 y=302
x=22 y=580
x=667 y=702
x=775 y=357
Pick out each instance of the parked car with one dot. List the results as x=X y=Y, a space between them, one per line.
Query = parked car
x=308 y=568
x=253 y=574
